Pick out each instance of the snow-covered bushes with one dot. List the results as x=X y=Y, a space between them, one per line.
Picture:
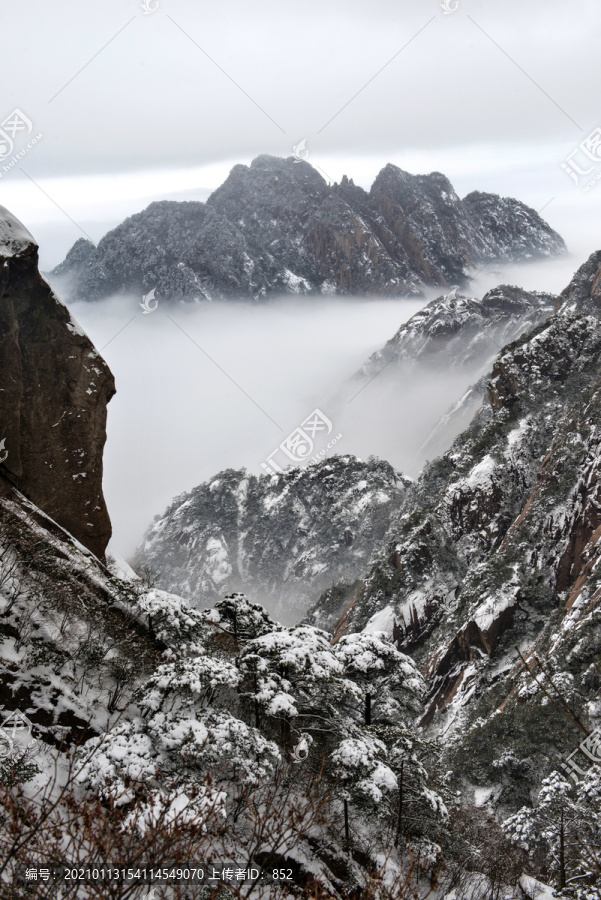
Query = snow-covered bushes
x=237 y=616
x=294 y=673
x=198 y=681
x=362 y=770
x=178 y=748
x=170 y=619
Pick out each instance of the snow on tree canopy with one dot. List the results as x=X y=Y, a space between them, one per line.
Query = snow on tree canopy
x=125 y=755
x=564 y=825
x=171 y=618
x=388 y=679
x=371 y=652
x=176 y=748
x=188 y=681
x=303 y=651
x=240 y=618
x=218 y=742
x=362 y=767
x=294 y=671
x=179 y=807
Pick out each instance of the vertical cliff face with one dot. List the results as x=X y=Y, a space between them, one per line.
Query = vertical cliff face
x=54 y=390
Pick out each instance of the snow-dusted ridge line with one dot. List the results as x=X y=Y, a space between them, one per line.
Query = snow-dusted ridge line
x=276 y=227
x=14 y=237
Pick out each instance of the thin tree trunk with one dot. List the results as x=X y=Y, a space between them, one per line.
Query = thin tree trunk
x=347 y=835
x=257 y=715
x=400 y=820
x=368 y=709
x=285 y=732
x=562 y=855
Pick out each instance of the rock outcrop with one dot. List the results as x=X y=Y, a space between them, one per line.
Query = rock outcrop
x=54 y=390
x=277 y=227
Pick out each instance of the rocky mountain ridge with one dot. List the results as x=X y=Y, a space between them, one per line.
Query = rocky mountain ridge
x=286 y=539
x=458 y=336
x=277 y=227
x=455 y=331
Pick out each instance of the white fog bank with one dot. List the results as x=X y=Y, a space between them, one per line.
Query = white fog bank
x=203 y=387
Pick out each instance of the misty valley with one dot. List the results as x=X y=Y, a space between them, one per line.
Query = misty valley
x=300 y=525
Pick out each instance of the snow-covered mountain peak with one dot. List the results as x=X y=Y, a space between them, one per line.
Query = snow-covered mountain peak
x=14 y=237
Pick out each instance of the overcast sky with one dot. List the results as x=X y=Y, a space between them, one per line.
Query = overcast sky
x=135 y=106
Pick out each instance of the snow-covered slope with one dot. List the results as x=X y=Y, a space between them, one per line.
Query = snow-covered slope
x=277 y=227
x=495 y=546
x=284 y=538
x=455 y=331
x=64 y=633
x=150 y=735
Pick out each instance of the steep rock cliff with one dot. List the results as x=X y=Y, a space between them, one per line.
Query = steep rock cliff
x=54 y=390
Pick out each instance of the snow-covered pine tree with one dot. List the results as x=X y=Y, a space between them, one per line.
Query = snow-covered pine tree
x=390 y=685
x=364 y=777
x=293 y=677
x=565 y=828
x=237 y=616
x=418 y=809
